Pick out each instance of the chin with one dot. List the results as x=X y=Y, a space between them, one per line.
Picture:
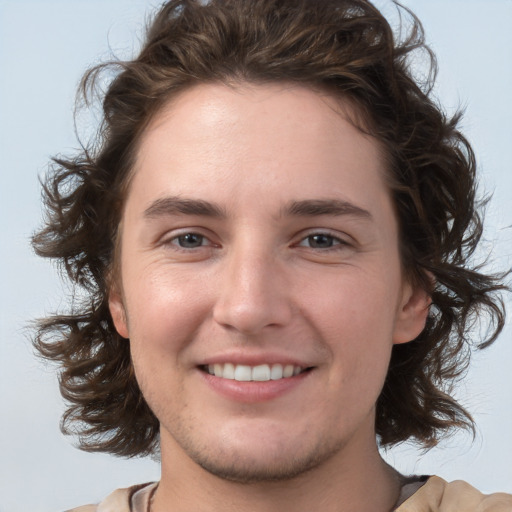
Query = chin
x=242 y=466
x=245 y=472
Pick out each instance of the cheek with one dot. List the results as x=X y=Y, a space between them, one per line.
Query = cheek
x=355 y=316
x=354 y=301
x=163 y=311
x=162 y=317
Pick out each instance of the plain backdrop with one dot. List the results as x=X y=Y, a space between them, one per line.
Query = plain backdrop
x=44 y=48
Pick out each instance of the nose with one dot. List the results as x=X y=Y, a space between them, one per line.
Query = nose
x=253 y=294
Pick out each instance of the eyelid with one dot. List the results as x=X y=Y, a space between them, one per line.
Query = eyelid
x=177 y=240
x=342 y=239
x=170 y=237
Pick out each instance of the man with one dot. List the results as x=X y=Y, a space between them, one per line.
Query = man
x=275 y=233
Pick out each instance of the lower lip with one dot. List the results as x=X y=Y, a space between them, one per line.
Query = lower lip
x=253 y=391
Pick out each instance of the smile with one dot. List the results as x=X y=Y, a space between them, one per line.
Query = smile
x=259 y=373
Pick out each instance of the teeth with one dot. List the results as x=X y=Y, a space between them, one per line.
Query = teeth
x=243 y=373
x=229 y=370
x=288 y=370
x=276 y=372
x=262 y=372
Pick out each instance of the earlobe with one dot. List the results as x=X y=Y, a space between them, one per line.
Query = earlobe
x=118 y=313
x=412 y=314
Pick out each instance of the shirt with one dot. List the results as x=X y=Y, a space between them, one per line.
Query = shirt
x=434 y=495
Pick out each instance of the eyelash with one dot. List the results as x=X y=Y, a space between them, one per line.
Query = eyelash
x=334 y=242
x=175 y=240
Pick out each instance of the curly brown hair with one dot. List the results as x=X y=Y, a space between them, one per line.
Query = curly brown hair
x=348 y=48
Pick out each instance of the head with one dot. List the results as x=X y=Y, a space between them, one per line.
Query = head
x=344 y=53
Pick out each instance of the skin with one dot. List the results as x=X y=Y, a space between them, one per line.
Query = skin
x=295 y=259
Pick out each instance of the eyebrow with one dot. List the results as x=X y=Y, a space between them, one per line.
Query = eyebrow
x=180 y=206
x=317 y=207
x=175 y=205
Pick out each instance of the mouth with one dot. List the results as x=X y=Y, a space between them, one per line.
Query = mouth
x=259 y=373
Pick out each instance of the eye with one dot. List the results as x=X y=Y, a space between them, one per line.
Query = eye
x=189 y=240
x=320 y=241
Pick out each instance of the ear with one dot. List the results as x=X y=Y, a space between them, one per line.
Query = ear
x=118 y=312
x=412 y=313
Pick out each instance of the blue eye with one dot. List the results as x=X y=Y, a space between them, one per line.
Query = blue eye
x=320 y=241
x=189 y=240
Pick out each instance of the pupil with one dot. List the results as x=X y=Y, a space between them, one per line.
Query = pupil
x=320 y=241
x=190 y=240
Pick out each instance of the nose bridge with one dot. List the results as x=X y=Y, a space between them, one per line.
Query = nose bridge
x=252 y=295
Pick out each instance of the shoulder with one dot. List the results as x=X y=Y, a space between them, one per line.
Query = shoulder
x=130 y=499
x=437 y=495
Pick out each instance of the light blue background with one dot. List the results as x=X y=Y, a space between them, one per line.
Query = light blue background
x=44 y=48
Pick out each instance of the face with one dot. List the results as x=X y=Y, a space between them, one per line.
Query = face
x=260 y=282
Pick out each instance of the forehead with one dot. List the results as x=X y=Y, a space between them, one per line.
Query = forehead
x=247 y=108
x=215 y=138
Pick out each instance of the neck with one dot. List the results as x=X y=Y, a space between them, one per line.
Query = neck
x=354 y=478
